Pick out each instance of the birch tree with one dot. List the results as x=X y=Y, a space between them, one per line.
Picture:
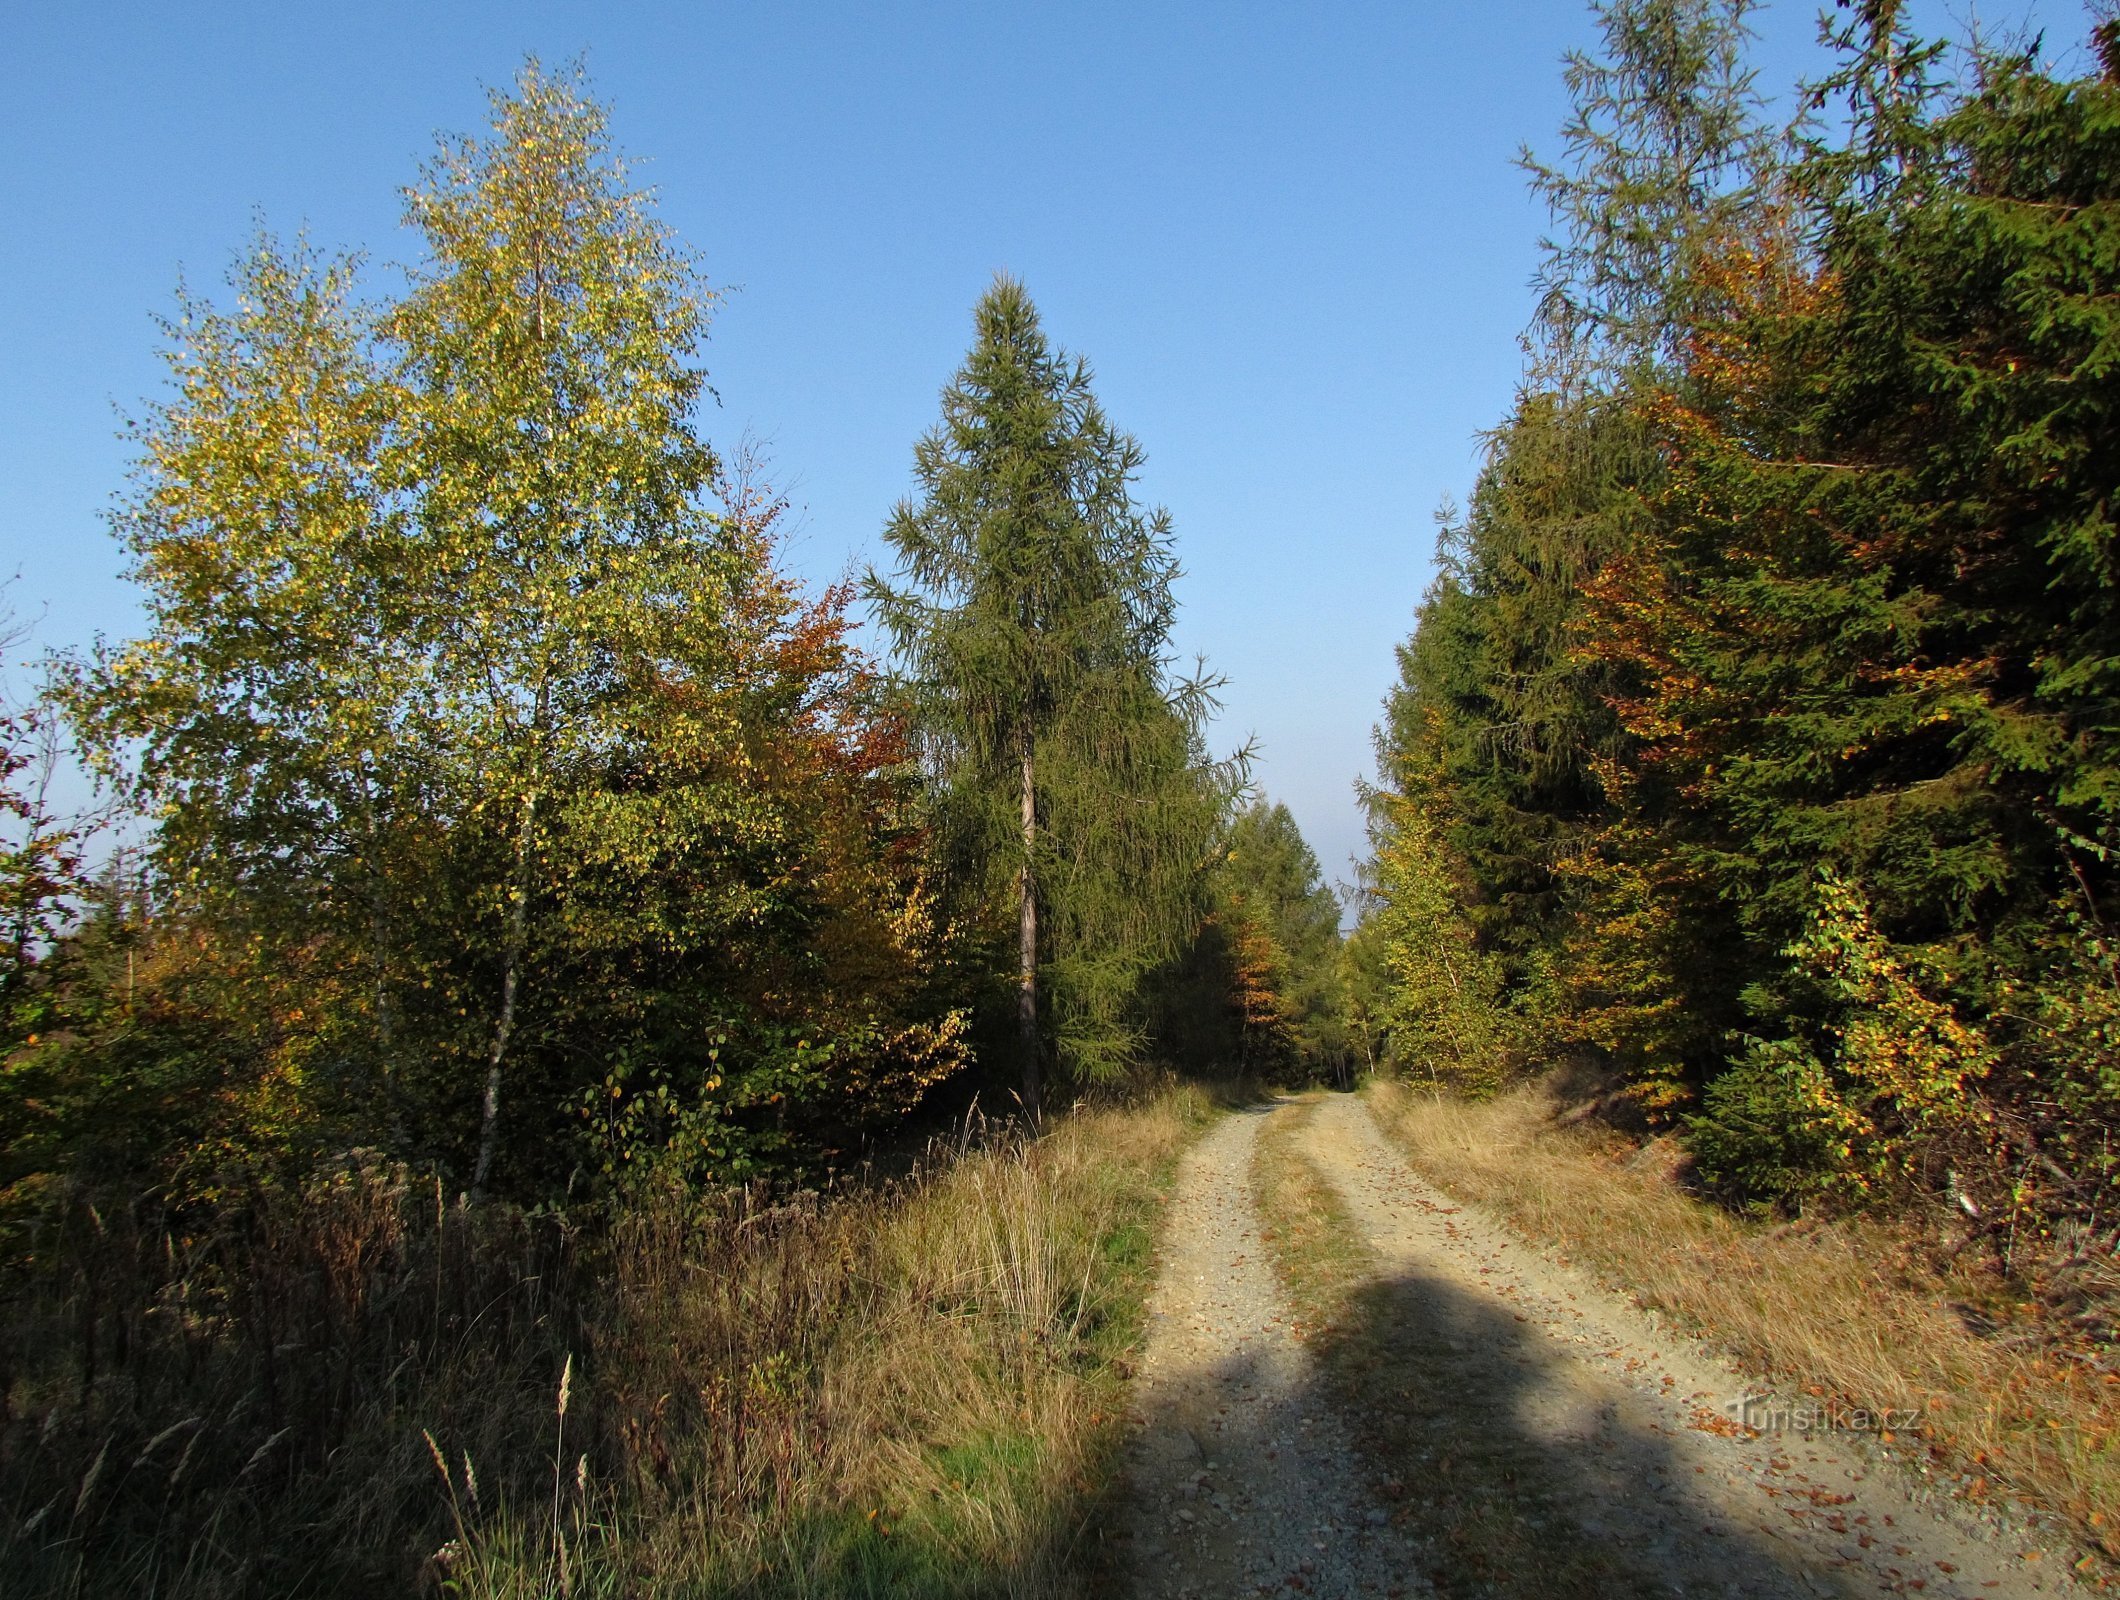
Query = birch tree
x=563 y=549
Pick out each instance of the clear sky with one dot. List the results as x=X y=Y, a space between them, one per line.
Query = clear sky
x=1290 y=239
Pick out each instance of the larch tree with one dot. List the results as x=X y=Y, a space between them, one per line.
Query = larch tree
x=1031 y=610
x=1663 y=158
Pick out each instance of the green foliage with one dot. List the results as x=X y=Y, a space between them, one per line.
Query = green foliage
x=1797 y=556
x=1365 y=994
x=1497 y=743
x=1663 y=159
x=1496 y=727
x=1501 y=732
x=1031 y=610
x=2070 y=1043
x=41 y=861
x=494 y=767
x=537 y=890
x=1874 y=628
x=1892 y=1071
x=563 y=574
x=1444 y=1013
x=1283 y=928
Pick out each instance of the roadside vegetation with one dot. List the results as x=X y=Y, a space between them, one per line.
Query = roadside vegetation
x=459 y=1085
x=914 y=1390
x=549 y=1068
x=1752 y=757
x=2008 y=1375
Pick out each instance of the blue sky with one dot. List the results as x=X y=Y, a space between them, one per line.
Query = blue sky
x=1290 y=239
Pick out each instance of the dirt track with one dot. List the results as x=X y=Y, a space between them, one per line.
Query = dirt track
x=1597 y=1453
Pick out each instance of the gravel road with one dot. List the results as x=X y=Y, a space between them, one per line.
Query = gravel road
x=1537 y=1400
x=1243 y=1475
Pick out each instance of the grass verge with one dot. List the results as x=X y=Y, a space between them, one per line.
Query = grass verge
x=910 y=1392
x=1868 y=1315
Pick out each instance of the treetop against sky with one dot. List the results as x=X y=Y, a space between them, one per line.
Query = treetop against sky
x=1293 y=243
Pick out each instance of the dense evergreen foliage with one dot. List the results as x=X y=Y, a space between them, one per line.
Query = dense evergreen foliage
x=1758 y=728
x=1032 y=608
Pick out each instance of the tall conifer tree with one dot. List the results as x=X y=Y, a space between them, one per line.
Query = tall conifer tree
x=1031 y=609
x=1500 y=733
x=1663 y=160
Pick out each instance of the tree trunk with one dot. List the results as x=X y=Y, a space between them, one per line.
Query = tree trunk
x=1027 y=951
x=512 y=962
x=379 y=924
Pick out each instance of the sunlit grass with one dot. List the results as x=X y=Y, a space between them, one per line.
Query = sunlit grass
x=1873 y=1315
x=913 y=1391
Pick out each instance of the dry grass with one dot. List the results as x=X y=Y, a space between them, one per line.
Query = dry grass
x=1869 y=1315
x=230 y=1404
x=941 y=1415
x=360 y=1392
x=1318 y=1253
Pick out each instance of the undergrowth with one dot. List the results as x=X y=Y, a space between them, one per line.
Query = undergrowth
x=367 y=1388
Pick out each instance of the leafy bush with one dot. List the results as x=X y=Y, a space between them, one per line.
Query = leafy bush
x=1899 y=1071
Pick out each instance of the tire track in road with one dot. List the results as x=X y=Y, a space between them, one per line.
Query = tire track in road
x=1242 y=1476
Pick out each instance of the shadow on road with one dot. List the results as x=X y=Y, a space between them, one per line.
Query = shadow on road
x=1499 y=1466
x=1524 y=1472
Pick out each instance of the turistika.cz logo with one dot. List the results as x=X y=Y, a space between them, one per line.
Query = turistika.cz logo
x=1764 y=1414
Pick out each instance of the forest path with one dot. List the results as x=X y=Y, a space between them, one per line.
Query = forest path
x=1481 y=1420
x=1243 y=1478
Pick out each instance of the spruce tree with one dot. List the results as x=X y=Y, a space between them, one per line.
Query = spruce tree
x=1500 y=737
x=1664 y=159
x=1031 y=610
x=1273 y=891
x=1878 y=615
